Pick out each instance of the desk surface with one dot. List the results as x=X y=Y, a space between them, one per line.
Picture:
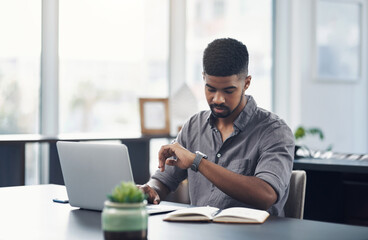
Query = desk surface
x=28 y=212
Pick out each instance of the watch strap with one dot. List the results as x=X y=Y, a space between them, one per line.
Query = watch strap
x=197 y=160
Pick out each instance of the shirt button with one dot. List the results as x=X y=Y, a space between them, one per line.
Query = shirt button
x=218 y=155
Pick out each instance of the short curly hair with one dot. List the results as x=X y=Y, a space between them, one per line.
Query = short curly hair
x=225 y=57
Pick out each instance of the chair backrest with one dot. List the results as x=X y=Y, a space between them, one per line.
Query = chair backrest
x=181 y=195
x=294 y=206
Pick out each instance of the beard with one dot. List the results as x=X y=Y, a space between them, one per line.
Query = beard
x=225 y=110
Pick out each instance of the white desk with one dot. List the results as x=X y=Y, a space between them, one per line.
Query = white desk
x=28 y=212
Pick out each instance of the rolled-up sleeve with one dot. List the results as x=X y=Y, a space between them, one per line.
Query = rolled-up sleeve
x=276 y=158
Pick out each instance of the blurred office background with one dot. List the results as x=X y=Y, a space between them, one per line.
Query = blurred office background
x=80 y=66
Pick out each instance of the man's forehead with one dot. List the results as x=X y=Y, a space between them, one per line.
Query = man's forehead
x=232 y=80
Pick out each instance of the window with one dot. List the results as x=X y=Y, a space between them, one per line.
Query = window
x=20 y=50
x=338 y=40
x=247 y=21
x=114 y=54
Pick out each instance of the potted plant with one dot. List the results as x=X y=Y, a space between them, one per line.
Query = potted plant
x=300 y=133
x=124 y=215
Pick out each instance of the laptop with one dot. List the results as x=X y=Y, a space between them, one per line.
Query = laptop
x=92 y=170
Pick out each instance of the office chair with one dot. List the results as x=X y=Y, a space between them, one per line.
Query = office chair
x=294 y=206
x=181 y=195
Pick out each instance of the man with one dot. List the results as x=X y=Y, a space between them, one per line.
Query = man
x=236 y=154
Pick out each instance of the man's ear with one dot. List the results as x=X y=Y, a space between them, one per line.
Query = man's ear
x=247 y=82
x=203 y=75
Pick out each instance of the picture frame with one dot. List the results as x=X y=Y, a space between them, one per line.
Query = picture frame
x=338 y=57
x=154 y=116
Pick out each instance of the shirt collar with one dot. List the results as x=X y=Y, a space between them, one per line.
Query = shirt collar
x=242 y=120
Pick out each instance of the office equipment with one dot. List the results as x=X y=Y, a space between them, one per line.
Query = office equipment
x=92 y=170
x=294 y=206
x=40 y=218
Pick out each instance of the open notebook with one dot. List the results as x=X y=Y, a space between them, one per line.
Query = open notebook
x=212 y=214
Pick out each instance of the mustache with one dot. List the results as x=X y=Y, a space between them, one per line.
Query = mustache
x=221 y=106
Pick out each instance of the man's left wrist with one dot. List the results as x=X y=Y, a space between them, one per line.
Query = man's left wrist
x=197 y=160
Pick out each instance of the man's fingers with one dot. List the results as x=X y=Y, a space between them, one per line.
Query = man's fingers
x=162 y=158
x=163 y=155
x=156 y=200
x=171 y=162
x=152 y=195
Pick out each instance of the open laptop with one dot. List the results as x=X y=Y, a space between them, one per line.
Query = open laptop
x=92 y=170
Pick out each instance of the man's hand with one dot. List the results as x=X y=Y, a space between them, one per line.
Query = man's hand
x=175 y=155
x=152 y=195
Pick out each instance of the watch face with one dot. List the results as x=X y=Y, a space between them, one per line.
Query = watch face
x=202 y=154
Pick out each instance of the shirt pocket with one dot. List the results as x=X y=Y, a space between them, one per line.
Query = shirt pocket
x=240 y=166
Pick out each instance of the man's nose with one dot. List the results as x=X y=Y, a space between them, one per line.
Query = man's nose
x=218 y=98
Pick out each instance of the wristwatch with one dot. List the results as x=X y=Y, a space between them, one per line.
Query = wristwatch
x=197 y=160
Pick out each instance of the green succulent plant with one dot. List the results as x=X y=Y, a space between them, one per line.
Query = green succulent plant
x=127 y=192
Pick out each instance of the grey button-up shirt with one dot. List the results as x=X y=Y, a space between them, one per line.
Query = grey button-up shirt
x=261 y=145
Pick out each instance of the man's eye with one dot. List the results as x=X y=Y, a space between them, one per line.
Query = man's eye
x=229 y=92
x=211 y=90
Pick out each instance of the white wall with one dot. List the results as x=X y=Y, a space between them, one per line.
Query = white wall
x=339 y=109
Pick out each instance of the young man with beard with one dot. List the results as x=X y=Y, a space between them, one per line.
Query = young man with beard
x=236 y=154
